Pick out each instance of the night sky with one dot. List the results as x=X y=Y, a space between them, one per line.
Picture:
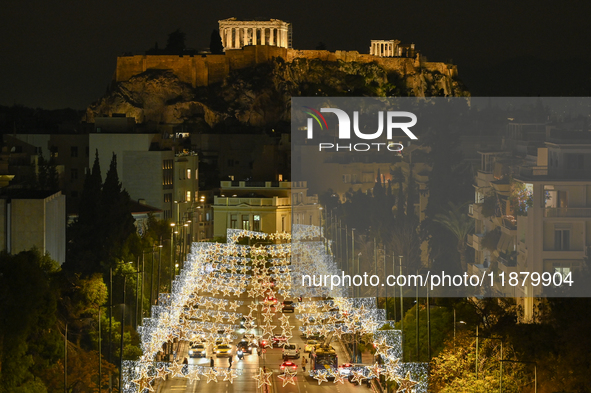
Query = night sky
x=62 y=54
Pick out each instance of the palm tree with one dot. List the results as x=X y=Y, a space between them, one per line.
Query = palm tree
x=460 y=225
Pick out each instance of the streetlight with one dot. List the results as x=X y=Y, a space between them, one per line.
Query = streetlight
x=358 y=271
x=172 y=232
x=159 y=268
x=123 y=321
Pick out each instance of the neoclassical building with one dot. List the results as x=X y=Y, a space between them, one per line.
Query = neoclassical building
x=239 y=33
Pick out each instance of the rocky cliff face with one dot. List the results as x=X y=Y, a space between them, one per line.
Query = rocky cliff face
x=261 y=96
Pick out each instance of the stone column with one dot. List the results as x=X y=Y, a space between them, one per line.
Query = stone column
x=271 y=38
x=284 y=40
x=229 y=38
x=263 y=35
x=254 y=36
x=245 y=37
x=236 y=37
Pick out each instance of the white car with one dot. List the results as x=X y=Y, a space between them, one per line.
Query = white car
x=291 y=351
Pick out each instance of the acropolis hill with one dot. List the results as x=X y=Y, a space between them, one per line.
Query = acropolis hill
x=388 y=69
x=242 y=51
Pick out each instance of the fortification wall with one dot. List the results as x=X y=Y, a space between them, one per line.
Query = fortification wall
x=202 y=70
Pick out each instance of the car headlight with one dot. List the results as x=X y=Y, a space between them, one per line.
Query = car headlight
x=202 y=351
x=190 y=352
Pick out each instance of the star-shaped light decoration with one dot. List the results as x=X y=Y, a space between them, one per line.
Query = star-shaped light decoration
x=358 y=376
x=268 y=317
x=230 y=375
x=161 y=372
x=176 y=369
x=226 y=290
x=211 y=375
x=262 y=378
x=287 y=377
x=284 y=319
x=233 y=305
x=382 y=347
x=193 y=376
x=338 y=331
x=374 y=371
x=390 y=372
x=338 y=377
x=406 y=384
x=268 y=329
x=144 y=382
x=231 y=318
x=321 y=376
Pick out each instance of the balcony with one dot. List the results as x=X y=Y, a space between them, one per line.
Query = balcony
x=476 y=241
x=474 y=210
x=550 y=212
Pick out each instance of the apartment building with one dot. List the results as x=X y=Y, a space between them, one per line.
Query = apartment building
x=532 y=212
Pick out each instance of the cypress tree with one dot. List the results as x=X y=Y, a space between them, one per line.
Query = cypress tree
x=116 y=221
x=215 y=43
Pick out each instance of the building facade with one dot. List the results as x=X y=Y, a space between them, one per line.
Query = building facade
x=33 y=219
x=532 y=212
x=268 y=207
x=236 y=33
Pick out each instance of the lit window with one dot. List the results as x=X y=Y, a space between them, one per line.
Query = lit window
x=256 y=223
x=188 y=173
x=188 y=196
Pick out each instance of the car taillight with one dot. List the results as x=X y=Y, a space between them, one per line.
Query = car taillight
x=294 y=367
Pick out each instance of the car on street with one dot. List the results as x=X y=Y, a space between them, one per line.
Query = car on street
x=244 y=346
x=197 y=350
x=310 y=345
x=288 y=306
x=270 y=301
x=223 y=350
x=291 y=351
x=289 y=365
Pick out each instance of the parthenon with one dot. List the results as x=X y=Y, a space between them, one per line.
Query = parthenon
x=239 y=33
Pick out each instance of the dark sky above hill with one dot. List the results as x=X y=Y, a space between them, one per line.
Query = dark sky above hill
x=59 y=54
